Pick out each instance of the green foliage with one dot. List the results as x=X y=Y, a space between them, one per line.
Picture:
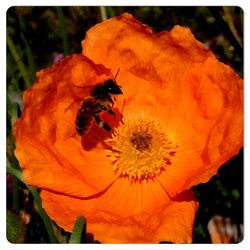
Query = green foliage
x=79 y=231
x=15 y=228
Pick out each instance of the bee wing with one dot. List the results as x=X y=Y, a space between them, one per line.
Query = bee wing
x=79 y=93
x=85 y=87
x=82 y=91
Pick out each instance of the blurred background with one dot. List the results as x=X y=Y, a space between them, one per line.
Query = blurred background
x=39 y=36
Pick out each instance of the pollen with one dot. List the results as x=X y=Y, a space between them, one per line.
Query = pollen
x=140 y=150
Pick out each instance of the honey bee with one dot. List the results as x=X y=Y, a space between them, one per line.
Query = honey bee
x=99 y=100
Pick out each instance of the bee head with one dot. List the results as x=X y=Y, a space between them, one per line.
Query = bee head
x=112 y=88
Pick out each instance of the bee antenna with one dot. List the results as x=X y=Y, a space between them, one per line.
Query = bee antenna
x=117 y=73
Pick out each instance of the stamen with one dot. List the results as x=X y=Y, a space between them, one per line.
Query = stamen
x=140 y=150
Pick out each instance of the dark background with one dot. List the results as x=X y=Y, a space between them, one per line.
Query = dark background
x=36 y=36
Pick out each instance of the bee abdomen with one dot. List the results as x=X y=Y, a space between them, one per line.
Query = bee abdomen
x=82 y=124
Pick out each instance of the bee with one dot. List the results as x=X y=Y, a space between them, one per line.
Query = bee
x=101 y=99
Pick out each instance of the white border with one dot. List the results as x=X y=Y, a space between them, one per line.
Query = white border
x=4 y=5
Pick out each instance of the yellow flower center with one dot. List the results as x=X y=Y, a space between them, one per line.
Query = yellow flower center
x=140 y=149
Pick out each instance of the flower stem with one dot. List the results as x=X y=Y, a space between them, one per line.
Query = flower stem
x=27 y=46
x=15 y=172
x=18 y=61
x=14 y=163
x=63 y=30
x=230 y=21
x=46 y=220
x=226 y=30
x=103 y=13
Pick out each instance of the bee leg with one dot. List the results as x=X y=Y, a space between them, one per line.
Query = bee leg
x=110 y=99
x=102 y=124
x=110 y=111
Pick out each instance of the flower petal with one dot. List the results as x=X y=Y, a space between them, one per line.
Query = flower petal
x=140 y=213
x=156 y=58
x=47 y=146
x=216 y=133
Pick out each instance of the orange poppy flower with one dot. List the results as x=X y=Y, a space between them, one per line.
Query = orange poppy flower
x=178 y=120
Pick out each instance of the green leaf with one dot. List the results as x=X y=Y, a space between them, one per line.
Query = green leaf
x=14 y=52
x=110 y=11
x=79 y=231
x=46 y=220
x=15 y=228
x=63 y=27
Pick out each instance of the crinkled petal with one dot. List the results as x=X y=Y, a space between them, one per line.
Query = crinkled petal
x=48 y=148
x=173 y=78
